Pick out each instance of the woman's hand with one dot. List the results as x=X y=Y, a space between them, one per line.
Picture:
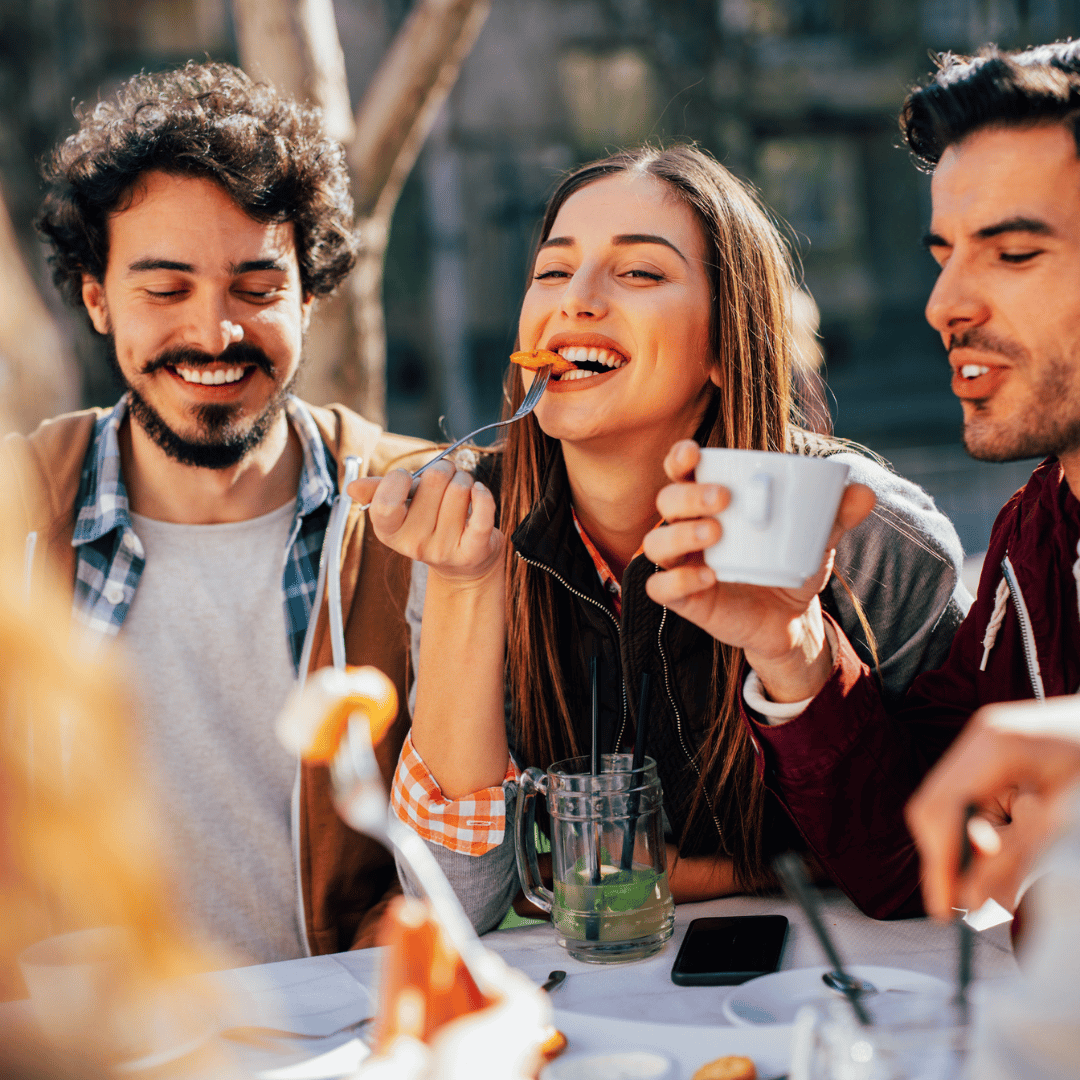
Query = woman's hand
x=449 y=525
x=781 y=631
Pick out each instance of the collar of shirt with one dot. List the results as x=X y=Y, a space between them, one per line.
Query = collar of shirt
x=607 y=576
x=111 y=557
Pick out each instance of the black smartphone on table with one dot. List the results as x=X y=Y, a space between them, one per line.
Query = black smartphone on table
x=728 y=951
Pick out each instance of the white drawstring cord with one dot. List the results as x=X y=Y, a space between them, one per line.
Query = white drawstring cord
x=1001 y=600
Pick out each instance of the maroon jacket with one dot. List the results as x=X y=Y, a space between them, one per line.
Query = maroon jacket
x=823 y=755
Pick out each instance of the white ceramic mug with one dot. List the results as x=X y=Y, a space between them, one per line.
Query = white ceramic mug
x=781 y=513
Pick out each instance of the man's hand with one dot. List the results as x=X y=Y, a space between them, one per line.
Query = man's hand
x=781 y=631
x=449 y=524
x=1005 y=758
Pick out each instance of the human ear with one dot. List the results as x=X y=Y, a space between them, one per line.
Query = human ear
x=306 y=306
x=715 y=375
x=93 y=296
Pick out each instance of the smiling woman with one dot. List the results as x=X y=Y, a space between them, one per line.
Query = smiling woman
x=663 y=282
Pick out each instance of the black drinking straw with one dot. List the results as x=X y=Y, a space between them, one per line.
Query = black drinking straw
x=789 y=869
x=964 y=968
x=641 y=735
x=592 y=847
x=594 y=681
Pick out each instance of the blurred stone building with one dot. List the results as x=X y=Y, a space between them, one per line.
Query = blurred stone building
x=799 y=96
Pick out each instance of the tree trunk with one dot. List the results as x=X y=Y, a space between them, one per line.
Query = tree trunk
x=38 y=374
x=392 y=122
x=294 y=44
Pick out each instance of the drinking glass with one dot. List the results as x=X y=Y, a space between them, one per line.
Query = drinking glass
x=913 y=1037
x=610 y=900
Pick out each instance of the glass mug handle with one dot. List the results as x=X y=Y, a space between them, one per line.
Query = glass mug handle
x=532 y=782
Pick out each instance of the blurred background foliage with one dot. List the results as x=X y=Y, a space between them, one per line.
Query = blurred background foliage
x=798 y=96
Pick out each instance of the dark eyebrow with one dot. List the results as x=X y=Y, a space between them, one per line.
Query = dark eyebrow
x=622 y=241
x=254 y=265
x=160 y=264
x=1032 y=226
x=1016 y=224
x=646 y=238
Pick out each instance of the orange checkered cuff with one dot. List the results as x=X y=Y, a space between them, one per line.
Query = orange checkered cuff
x=471 y=825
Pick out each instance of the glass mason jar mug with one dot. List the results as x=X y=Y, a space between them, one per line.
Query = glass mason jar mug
x=610 y=900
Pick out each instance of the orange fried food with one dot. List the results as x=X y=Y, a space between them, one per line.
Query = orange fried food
x=424 y=982
x=314 y=722
x=731 y=1067
x=534 y=359
x=553 y=1045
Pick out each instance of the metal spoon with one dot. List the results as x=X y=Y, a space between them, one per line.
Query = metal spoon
x=846 y=984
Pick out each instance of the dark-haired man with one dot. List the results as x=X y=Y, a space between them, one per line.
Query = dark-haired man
x=197 y=216
x=999 y=132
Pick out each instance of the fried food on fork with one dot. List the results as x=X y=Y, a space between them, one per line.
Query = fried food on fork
x=534 y=359
x=314 y=723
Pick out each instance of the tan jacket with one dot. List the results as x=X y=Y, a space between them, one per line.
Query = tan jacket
x=346 y=879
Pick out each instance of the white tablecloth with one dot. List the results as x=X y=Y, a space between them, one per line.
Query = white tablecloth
x=598 y=1006
x=595 y=1002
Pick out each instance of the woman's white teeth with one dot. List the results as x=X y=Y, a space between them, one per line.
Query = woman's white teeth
x=569 y=376
x=578 y=353
x=973 y=371
x=211 y=378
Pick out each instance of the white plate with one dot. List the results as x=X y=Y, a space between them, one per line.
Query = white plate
x=776 y=998
x=688 y=1045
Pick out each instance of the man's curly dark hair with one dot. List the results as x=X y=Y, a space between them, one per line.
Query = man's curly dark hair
x=992 y=89
x=204 y=120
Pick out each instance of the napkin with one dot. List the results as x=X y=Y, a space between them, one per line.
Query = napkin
x=316 y=998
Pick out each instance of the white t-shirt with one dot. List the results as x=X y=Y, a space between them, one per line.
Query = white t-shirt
x=206 y=633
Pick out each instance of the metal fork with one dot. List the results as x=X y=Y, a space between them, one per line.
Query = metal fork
x=539 y=385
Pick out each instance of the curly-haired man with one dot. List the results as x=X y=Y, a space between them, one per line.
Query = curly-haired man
x=197 y=216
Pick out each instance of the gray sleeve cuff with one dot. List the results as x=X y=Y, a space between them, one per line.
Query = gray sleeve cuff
x=485 y=884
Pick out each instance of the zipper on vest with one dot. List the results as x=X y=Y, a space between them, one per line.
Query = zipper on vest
x=595 y=603
x=1027 y=635
x=678 y=722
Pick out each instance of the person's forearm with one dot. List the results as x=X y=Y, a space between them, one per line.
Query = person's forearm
x=699 y=878
x=458 y=725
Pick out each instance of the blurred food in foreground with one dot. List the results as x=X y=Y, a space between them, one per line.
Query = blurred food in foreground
x=434 y=1021
x=84 y=894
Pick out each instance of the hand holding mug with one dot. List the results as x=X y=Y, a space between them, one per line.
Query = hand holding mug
x=779 y=627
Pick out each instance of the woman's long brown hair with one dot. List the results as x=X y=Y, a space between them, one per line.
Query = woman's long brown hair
x=751 y=280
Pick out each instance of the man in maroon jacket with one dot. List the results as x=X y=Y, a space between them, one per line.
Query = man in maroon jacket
x=1001 y=135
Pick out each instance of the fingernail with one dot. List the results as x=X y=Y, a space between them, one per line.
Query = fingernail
x=479 y=486
x=712 y=499
x=703 y=531
x=705 y=576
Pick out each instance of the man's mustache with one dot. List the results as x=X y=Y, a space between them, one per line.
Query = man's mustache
x=976 y=337
x=239 y=354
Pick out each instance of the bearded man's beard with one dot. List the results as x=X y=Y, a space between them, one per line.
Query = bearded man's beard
x=1050 y=428
x=220 y=443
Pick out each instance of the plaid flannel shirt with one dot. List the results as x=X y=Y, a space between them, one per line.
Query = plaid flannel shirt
x=474 y=824
x=111 y=557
